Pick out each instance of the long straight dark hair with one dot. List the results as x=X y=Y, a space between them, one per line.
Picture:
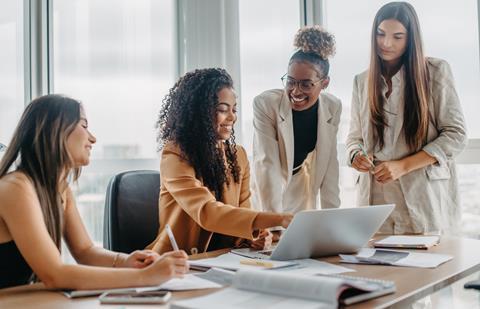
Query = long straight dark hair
x=417 y=88
x=38 y=148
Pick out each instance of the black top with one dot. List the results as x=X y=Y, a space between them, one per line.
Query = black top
x=14 y=270
x=305 y=125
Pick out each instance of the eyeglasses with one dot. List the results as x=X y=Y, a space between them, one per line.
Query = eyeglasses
x=304 y=85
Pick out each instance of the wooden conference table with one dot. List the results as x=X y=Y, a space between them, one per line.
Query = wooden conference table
x=412 y=283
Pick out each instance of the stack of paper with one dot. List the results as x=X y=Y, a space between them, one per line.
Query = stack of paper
x=396 y=258
x=413 y=242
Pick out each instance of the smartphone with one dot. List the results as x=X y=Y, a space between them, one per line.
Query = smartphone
x=154 y=297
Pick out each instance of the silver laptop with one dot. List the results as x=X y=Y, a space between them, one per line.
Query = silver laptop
x=316 y=233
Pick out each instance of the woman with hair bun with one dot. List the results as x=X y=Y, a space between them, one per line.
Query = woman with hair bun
x=205 y=176
x=295 y=131
x=407 y=117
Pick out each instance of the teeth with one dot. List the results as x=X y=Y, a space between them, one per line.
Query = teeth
x=298 y=99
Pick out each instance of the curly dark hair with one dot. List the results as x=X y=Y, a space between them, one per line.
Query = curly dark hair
x=188 y=118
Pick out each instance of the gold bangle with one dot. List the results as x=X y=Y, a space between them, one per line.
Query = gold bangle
x=115 y=259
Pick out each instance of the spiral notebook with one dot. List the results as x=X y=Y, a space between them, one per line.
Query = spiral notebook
x=271 y=289
x=379 y=288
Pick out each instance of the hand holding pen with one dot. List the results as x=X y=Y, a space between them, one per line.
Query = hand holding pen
x=362 y=162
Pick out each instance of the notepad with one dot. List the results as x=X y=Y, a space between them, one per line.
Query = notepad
x=261 y=289
x=396 y=258
x=232 y=261
x=410 y=242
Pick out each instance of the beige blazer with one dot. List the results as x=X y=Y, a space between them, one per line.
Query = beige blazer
x=273 y=151
x=191 y=209
x=431 y=193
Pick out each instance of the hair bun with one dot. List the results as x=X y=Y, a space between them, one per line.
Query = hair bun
x=314 y=39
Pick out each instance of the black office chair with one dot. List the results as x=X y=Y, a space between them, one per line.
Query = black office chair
x=131 y=211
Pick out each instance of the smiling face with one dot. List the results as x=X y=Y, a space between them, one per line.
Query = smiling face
x=391 y=41
x=80 y=141
x=303 y=72
x=226 y=113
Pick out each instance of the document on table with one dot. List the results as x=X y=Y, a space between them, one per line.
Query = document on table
x=235 y=262
x=189 y=282
x=314 y=267
x=280 y=290
x=218 y=275
x=396 y=258
x=408 y=241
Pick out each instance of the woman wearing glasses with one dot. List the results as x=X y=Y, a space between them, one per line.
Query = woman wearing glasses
x=295 y=129
x=407 y=118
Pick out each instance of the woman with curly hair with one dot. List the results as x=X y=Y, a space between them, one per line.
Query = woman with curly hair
x=295 y=131
x=407 y=117
x=205 y=194
x=37 y=209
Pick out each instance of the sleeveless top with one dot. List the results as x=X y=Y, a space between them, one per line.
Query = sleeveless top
x=14 y=270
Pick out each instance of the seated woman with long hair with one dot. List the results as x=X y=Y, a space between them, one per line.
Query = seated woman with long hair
x=205 y=193
x=37 y=209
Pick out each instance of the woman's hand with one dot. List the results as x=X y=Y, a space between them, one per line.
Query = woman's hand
x=140 y=259
x=263 y=241
x=173 y=264
x=361 y=163
x=286 y=219
x=389 y=171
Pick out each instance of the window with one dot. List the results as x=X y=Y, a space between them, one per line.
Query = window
x=12 y=67
x=266 y=44
x=117 y=57
x=450 y=32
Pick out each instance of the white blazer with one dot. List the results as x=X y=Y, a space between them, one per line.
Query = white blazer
x=431 y=193
x=273 y=151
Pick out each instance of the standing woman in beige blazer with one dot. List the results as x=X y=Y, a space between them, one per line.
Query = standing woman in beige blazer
x=407 y=116
x=295 y=131
x=205 y=175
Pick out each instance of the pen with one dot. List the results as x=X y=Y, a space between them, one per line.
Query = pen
x=365 y=154
x=172 y=238
x=257 y=263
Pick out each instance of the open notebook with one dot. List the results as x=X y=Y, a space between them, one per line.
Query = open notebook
x=253 y=288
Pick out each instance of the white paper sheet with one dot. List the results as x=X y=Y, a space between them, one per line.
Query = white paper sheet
x=396 y=258
x=314 y=267
x=232 y=298
x=189 y=282
x=409 y=241
x=232 y=262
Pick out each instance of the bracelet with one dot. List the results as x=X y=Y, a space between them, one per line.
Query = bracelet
x=115 y=259
x=353 y=156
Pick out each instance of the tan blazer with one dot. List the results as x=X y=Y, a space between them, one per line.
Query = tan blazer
x=192 y=210
x=273 y=151
x=431 y=193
